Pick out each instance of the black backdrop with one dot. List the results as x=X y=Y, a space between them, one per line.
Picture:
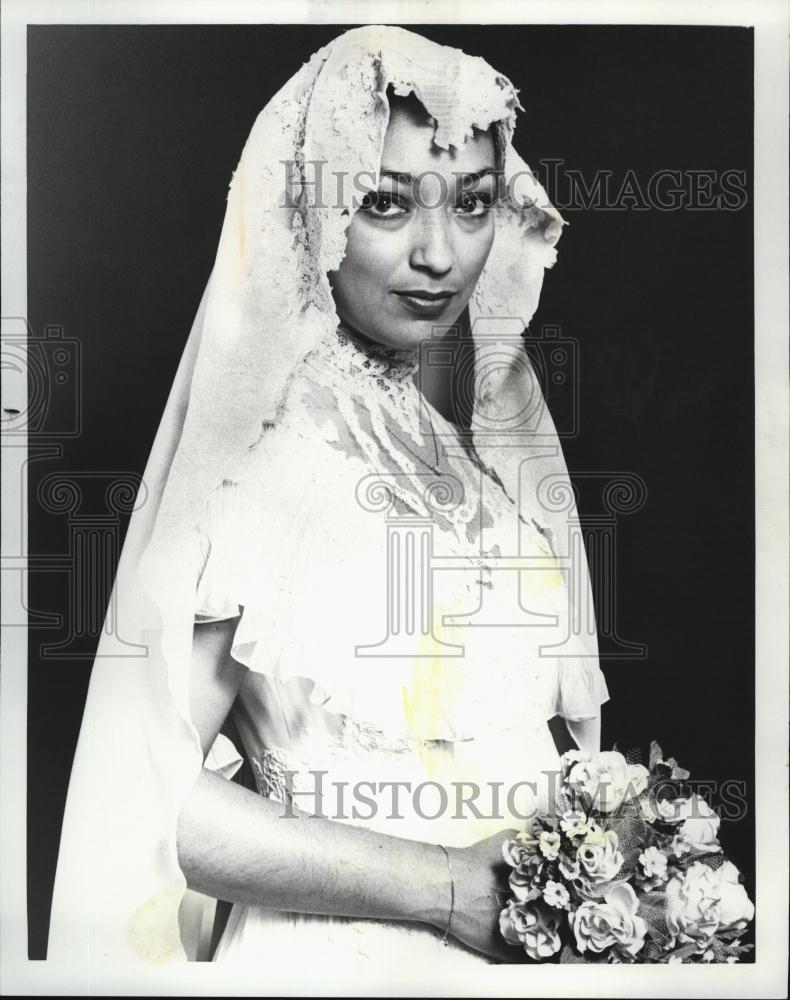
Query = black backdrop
x=133 y=134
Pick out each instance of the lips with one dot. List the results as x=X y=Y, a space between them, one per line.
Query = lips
x=422 y=293
x=424 y=302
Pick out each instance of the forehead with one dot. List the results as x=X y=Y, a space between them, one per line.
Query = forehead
x=409 y=146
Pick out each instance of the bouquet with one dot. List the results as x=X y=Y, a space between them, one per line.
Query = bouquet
x=629 y=869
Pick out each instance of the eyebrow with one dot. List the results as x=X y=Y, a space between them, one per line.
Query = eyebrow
x=468 y=175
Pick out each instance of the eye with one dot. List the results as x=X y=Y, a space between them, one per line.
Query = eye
x=382 y=205
x=473 y=204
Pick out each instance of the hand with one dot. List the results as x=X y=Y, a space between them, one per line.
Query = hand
x=480 y=875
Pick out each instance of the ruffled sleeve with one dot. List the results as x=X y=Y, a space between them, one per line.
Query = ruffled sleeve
x=214 y=600
x=581 y=689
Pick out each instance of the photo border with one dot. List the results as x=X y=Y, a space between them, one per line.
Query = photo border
x=767 y=976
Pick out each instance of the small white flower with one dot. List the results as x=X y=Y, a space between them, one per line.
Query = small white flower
x=556 y=895
x=550 y=845
x=654 y=869
x=575 y=823
x=653 y=862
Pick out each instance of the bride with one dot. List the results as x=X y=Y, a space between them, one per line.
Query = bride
x=343 y=550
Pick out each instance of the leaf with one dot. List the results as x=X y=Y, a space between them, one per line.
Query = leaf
x=678 y=773
x=569 y=956
x=656 y=754
x=684 y=951
x=730 y=933
x=652 y=952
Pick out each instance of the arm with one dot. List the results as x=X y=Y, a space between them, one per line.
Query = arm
x=586 y=733
x=236 y=845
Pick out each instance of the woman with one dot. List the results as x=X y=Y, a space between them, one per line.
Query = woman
x=342 y=550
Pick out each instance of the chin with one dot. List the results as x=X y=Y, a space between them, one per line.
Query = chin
x=412 y=333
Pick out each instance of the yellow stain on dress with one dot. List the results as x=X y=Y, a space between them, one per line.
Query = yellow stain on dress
x=435 y=702
x=436 y=683
x=152 y=931
x=435 y=699
x=546 y=581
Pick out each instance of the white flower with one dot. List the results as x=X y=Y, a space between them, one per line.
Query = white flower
x=665 y=810
x=599 y=856
x=653 y=862
x=535 y=927
x=607 y=780
x=570 y=758
x=555 y=894
x=550 y=845
x=522 y=850
x=611 y=924
x=654 y=869
x=694 y=905
x=575 y=823
x=701 y=901
x=699 y=829
x=735 y=908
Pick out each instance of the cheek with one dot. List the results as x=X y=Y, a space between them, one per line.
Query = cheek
x=474 y=250
x=371 y=257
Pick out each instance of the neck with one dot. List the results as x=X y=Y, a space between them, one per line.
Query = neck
x=450 y=387
x=374 y=347
x=436 y=382
x=393 y=363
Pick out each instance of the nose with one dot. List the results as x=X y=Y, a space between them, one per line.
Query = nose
x=431 y=248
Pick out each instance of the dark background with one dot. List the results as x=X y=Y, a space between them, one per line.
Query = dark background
x=133 y=134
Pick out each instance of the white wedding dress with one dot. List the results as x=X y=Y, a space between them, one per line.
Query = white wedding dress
x=368 y=678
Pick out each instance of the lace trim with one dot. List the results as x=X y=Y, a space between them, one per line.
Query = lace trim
x=381 y=410
x=279 y=771
x=270 y=768
x=371 y=357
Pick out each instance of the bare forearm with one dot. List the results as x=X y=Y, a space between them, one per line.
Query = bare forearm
x=238 y=846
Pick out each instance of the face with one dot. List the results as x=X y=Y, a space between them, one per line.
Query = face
x=418 y=244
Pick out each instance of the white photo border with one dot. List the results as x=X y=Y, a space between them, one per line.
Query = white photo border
x=767 y=977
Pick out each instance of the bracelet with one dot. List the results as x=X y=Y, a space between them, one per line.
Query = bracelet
x=452 y=894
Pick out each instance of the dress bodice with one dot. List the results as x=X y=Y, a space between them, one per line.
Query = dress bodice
x=364 y=547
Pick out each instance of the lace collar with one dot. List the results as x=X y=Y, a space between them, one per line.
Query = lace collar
x=351 y=353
